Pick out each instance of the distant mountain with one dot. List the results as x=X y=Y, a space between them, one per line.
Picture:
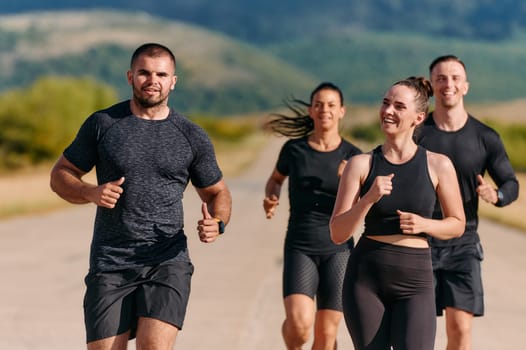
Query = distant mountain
x=270 y=21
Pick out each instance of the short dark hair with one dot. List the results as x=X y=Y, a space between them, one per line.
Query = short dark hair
x=446 y=58
x=152 y=50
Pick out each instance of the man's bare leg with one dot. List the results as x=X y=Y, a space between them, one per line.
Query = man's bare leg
x=154 y=334
x=458 y=329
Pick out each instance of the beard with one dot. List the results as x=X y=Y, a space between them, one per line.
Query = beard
x=149 y=101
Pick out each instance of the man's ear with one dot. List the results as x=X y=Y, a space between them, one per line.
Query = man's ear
x=466 y=88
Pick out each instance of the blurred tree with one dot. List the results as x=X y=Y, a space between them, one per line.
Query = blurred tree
x=37 y=123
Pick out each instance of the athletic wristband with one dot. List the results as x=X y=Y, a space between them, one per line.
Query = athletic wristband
x=220 y=225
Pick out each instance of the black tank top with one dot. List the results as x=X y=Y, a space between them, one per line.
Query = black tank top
x=413 y=191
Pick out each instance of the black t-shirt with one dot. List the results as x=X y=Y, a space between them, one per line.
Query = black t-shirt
x=313 y=184
x=474 y=149
x=157 y=159
x=413 y=191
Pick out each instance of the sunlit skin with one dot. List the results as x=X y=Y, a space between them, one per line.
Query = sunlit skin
x=397 y=115
x=398 y=120
x=152 y=79
x=450 y=85
x=326 y=111
x=401 y=111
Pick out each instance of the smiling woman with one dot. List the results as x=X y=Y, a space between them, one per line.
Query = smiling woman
x=392 y=192
x=312 y=160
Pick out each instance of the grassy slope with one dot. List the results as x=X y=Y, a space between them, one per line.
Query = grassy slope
x=207 y=61
x=28 y=193
x=212 y=61
x=364 y=63
x=60 y=33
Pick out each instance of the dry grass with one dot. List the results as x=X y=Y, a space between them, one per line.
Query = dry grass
x=28 y=192
x=234 y=158
x=503 y=112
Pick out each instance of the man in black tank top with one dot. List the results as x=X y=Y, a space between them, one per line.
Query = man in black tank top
x=474 y=149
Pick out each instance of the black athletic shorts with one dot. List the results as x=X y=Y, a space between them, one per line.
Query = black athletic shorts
x=115 y=300
x=458 y=278
x=315 y=275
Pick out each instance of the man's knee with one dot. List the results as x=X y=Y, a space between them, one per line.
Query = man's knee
x=458 y=323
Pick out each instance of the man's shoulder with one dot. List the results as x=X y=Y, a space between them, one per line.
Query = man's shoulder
x=481 y=128
x=192 y=132
x=117 y=111
x=185 y=124
x=477 y=123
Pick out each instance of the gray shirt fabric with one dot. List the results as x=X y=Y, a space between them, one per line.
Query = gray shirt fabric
x=157 y=158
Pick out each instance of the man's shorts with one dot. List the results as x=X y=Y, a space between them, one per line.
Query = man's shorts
x=115 y=300
x=316 y=275
x=458 y=278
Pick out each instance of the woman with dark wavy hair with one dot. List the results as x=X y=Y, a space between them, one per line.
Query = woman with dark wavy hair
x=314 y=266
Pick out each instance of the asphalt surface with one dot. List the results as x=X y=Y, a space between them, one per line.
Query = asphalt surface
x=236 y=293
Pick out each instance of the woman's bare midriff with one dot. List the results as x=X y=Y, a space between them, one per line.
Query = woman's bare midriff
x=402 y=240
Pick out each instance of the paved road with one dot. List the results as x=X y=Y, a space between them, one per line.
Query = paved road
x=236 y=297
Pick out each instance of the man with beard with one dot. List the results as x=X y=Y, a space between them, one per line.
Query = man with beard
x=145 y=154
x=474 y=148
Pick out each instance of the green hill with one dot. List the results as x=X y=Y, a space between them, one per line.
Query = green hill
x=364 y=64
x=222 y=76
x=216 y=74
x=271 y=21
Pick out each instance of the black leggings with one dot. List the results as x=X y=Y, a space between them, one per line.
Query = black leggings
x=388 y=297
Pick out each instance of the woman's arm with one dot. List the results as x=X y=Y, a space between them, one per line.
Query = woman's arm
x=349 y=209
x=273 y=192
